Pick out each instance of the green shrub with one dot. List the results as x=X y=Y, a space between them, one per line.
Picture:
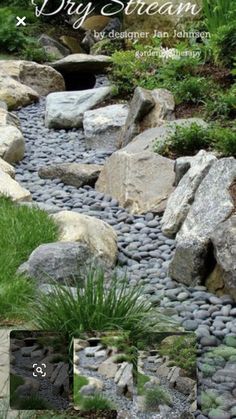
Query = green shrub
x=218 y=14
x=224 y=45
x=222 y=106
x=189 y=140
x=17 y=40
x=96 y=403
x=156 y=396
x=193 y=89
x=224 y=140
x=34 y=52
x=150 y=72
x=129 y=71
x=185 y=141
x=11 y=38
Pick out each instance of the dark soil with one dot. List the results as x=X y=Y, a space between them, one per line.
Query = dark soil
x=220 y=75
x=189 y=110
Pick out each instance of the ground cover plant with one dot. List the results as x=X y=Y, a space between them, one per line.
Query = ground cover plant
x=182 y=352
x=189 y=140
x=22 y=230
x=156 y=396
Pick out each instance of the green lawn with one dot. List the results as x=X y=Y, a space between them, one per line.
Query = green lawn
x=22 y=230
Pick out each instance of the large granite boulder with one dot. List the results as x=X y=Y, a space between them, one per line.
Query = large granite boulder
x=141 y=182
x=16 y=94
x=102 y=126
x=42 y=79
x=66 y=109
x=179 y=203
x=61 y=262
x=99 y=236
x=72 y=44
x=82 y=63
x=8 y=118
x=75 y=174
x=95 y=23
x=53 y=47
x=148 y=109
x=213 y=204
x=7 y=168
x=12 y=144
x=224 y=242
x=12 y=189
x=148 y=138
x=124 y=380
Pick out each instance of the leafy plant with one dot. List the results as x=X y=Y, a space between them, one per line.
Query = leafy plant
x=193 y=89
x=223 y=44
x=11 y=38
x=129 y=71
x=156 y=396
x=34 y=52
x=189 y=140
x=185 y=140
x=224 y=140
x=218 y=14
x=222 y=106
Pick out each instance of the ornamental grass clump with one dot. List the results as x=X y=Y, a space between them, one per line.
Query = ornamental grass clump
x=98 y=306
x=156 y=396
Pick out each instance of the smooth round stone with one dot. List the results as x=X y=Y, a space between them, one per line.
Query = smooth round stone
x=202 y=332
x=182 y=296
x=214 y=300
x=190 y=325
x=201 y=314
x=139 y=226
x=218 y=333
x=149 y=216
x=233 y=312
x=153 y=223
x=208 y=341
x=226 y=310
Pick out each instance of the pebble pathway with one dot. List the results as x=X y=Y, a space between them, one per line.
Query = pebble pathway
x=144 y=252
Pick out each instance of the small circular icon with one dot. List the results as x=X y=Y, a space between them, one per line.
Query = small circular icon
x=39 y=370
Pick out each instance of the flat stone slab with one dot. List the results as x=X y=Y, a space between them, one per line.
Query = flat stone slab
x=82 y=63
x=141 y=182
x=75 y=174
x=66 y=109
